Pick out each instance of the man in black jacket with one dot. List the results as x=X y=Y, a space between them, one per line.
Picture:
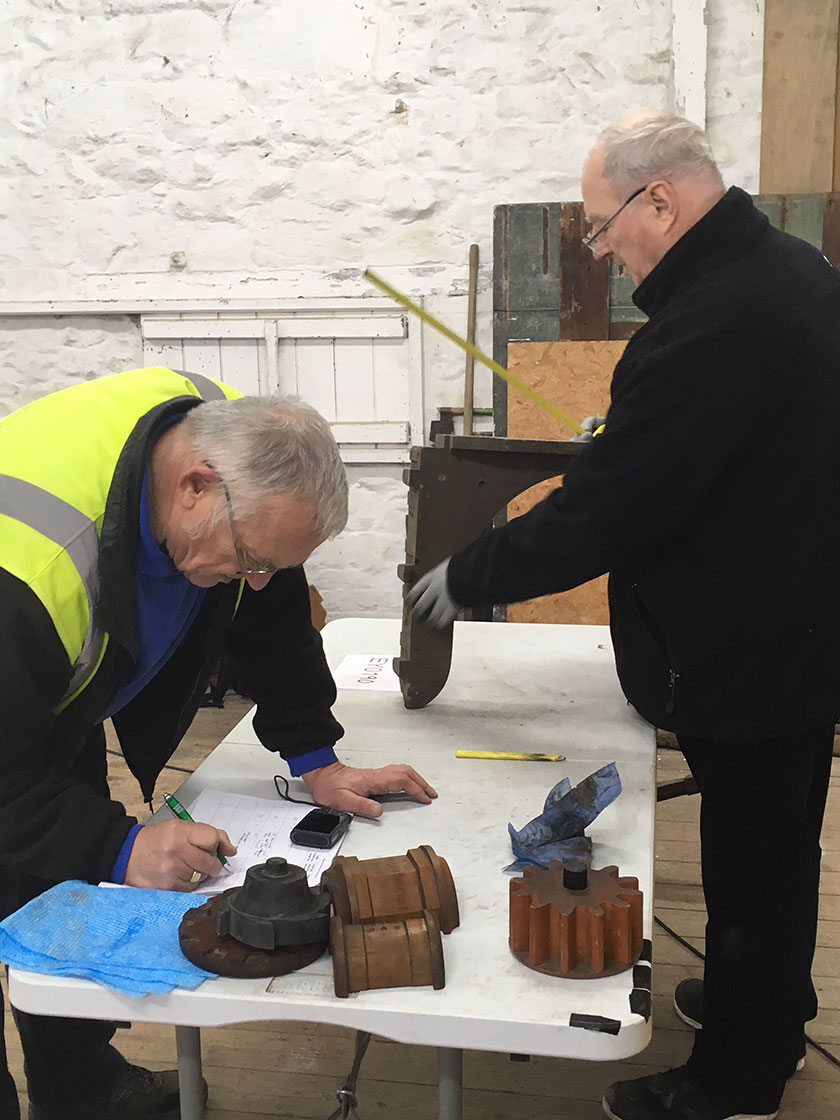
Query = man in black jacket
x=712 y=500
x=150 y=522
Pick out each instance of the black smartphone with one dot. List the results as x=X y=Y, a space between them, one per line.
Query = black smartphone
x=321 y=828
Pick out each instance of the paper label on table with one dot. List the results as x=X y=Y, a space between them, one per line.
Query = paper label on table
x=367 y=671
x=259 y=827
x=317 y=985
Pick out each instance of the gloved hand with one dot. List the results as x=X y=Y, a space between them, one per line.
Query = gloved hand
x=589 y=425
x=430 y=600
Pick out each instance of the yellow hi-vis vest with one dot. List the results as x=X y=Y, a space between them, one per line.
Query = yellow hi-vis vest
x=57 y=461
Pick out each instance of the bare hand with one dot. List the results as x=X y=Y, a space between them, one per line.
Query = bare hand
x=346 y=787
x=166 y=855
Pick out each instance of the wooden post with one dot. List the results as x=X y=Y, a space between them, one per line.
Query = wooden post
x=469 y=368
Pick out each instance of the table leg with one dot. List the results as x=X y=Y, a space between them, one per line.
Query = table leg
x=188 y=1045
x=450 y=1083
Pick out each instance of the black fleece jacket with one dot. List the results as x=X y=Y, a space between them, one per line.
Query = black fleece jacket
x=713 y=496
x=54 y=825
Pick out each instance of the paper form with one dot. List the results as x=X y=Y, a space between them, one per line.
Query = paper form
x=370 y=671
x=259 y=827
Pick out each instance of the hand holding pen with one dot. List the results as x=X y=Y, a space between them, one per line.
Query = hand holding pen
x=175 y=806
x=176 y=855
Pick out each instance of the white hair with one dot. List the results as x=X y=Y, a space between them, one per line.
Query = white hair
x=264 y=446
x=654 y=145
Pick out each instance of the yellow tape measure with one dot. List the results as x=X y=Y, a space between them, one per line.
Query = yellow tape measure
x=512 y=756
x=479 y=356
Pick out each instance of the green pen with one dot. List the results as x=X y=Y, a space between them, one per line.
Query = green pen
x=175 y=806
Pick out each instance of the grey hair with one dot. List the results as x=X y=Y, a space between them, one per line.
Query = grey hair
x=653 y=145
x=263 y=446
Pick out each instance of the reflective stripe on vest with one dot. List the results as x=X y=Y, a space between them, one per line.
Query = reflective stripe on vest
x=49 y=542
x=67 y=527
x=209 y=390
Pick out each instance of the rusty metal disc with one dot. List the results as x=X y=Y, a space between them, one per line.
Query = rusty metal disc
x=226 y=956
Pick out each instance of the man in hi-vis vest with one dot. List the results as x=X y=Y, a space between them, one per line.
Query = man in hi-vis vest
x=150 y=522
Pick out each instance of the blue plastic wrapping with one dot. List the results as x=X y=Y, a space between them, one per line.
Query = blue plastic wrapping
x=558 y=832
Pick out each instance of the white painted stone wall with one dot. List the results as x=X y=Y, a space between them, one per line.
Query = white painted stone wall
x=39 y=355
x=283 y=146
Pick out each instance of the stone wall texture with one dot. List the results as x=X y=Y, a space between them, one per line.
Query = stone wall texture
x=283 y=146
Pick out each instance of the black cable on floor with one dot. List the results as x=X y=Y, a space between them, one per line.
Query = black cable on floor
x=692 y=949
x=673 y=933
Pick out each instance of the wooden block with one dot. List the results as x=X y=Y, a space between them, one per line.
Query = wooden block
x=403 y=953
x=576 y=376
x=393 y=888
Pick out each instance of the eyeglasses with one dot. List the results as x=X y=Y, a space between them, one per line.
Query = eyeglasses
x=593 y=237
x=256 y=567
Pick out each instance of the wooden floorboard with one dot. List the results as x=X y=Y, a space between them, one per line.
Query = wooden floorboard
x=293 y=1070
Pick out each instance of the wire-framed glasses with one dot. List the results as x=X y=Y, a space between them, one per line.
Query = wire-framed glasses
x=590 y=240
x=246 y=565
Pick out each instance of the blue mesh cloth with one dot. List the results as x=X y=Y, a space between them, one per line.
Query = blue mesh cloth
x=126 y=939
x=558 y=832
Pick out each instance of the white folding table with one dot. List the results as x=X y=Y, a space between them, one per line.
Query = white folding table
x=525 y=688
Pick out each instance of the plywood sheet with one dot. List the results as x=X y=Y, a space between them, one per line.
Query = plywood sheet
x=576 y=377
x=799 y=96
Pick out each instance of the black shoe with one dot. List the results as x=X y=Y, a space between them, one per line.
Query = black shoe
x=671 y=1095
x=139 y=1094
x=688 y=1004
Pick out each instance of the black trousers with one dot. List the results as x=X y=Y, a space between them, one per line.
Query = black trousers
x=760 y=821
x=9 y=1109
x=66 y=1061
